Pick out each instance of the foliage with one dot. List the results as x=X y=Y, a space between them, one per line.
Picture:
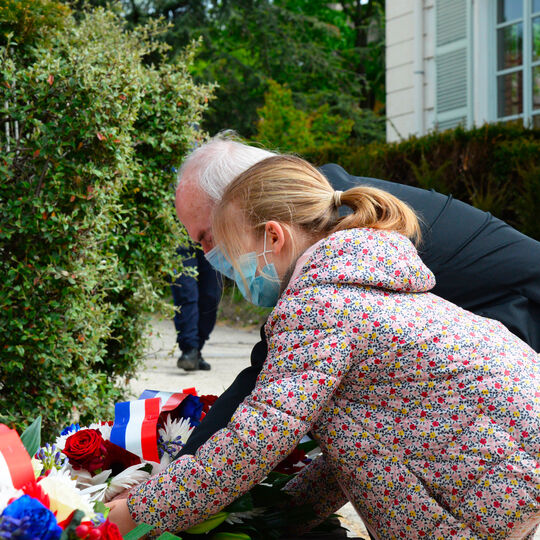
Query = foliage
x=326 y=53
x=87 y=227
x=254 y=42
x=282 y=125
x=28 y=19
x=493 y=167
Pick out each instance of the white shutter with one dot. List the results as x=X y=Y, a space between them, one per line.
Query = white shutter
x=452 y=63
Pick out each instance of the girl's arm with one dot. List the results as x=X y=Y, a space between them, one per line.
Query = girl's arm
x=317 y=486
x=303 y=369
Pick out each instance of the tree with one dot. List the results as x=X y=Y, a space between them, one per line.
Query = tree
x=283 y=126
x=366 y=48
x=325 y=53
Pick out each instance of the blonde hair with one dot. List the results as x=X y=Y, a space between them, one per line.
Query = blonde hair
x=289 y=190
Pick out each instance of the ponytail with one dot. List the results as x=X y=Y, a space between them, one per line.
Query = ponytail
x=377 y=209
x=291 y=191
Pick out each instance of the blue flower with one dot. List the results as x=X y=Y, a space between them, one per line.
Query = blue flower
x=27 y=519
x=191 y=408
x=51 y=457
x=70 y=429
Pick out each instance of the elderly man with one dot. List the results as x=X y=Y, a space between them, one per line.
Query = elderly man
x=480 y=262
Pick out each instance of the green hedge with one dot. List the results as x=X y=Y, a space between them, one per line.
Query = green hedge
x=494 y=167
x=87 y=226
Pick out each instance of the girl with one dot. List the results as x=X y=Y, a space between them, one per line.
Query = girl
x=427 y=415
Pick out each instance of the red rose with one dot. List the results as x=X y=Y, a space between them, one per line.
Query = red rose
x=109 y=531
x=118 y=458
x=208 y=401
x=86 y=449
x=290 y=464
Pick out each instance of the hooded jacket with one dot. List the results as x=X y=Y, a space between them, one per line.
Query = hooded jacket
x=427 y=415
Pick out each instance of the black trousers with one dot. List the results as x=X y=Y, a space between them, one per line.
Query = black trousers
x=198 y=299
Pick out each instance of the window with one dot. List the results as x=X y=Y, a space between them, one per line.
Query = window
x=518 y=60
x=452 y=63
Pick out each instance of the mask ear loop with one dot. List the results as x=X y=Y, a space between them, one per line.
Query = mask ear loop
x=265 y=251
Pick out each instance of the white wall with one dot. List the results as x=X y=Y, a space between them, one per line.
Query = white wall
x=410 y=49
x=411 y=81
x=399 y=68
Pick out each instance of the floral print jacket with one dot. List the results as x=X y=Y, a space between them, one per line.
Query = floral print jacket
x=427 y=415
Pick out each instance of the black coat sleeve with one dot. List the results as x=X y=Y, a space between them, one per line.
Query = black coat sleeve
x=221 y=412
x=480 y=262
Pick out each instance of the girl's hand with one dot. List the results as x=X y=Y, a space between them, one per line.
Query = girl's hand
x=120 y=515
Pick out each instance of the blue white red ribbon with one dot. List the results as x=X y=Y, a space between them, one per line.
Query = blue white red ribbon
x=135 y=422
x=15 y=464
x=169 y=400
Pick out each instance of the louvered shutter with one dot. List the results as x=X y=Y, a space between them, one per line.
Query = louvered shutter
x=452 y=56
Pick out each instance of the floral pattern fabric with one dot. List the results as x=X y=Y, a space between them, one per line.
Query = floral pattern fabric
x=428 y=416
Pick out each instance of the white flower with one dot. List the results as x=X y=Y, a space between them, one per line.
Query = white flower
x=84 y=479
x=102 y=487
x=65 y=496
x=240 y=517
x=162 y=465
x=128 y=478
x=174 y=430
x=7 y=493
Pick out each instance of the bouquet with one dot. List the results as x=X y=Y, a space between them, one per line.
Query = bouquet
x=59 y=492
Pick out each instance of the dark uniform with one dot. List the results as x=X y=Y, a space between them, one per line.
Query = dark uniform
x=198 y=299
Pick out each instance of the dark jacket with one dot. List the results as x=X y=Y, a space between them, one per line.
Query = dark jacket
x=474 y=257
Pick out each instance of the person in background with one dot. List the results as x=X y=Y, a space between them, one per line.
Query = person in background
x=196 y=299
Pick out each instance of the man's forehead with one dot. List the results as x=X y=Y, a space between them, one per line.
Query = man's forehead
x=194 y=210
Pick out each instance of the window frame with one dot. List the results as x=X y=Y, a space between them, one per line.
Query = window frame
x=526 y=67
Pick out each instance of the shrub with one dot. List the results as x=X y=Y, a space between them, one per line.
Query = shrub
x=493 y=167
x=282 y=125
x=27 y=19
x=90 y=135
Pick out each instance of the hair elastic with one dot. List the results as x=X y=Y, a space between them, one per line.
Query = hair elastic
x=336 y=199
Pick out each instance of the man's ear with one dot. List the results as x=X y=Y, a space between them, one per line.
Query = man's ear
x=275 y=236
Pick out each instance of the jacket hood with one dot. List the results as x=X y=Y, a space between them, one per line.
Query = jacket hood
x=369 y=257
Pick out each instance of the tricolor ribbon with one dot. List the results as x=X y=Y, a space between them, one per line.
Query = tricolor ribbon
x=15 y=463
x=135 y=422
x=169 y=400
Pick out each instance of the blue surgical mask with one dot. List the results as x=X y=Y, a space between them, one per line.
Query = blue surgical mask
x=219 y=262
x=262 y=289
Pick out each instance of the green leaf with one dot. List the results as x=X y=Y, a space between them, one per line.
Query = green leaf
x=76 y=519
x=169 y=536
x=31 y=437
x=211 y=523
x=242 y=504
x=100 y=508
x=138 y=532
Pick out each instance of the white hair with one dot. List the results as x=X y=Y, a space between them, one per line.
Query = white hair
x=216 y=163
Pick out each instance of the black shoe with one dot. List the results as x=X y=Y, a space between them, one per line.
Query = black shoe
x=203 y=364
x=189 y=360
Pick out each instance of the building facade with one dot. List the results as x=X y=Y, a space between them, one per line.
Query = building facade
x=451 y=62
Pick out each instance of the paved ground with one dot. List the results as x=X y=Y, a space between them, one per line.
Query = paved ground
x=228 y=352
